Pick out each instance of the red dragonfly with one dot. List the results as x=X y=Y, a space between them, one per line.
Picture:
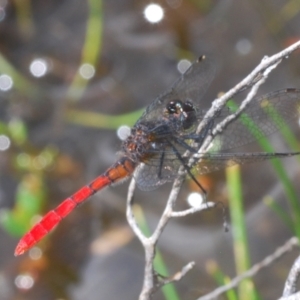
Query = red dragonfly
x=157 y=144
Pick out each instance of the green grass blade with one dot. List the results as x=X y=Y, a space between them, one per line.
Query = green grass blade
x=213 y=269
x=91 y=49
x=98 y=120
x=276 y=163
x=240 y=241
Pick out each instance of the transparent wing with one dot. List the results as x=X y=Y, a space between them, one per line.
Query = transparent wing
x=148 y=177
x=160 y=169
x=192 y=85
x=214 y=162
x=264 y=116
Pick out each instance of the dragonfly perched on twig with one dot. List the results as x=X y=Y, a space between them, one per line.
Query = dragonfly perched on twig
x=157 y=145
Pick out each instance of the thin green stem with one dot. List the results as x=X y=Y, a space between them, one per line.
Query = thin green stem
x=240 y=241
x=91 y=48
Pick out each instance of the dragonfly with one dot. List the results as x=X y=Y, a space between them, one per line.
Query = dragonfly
x=165 y=136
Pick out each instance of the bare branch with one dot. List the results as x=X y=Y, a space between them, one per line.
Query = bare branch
x=129 y=213
x=192 y=210
x=258 y=72
x=178 y=275
x=288 y=246
x=290 y=284
x=295 y=296
x=262 y=71
x=152 y=280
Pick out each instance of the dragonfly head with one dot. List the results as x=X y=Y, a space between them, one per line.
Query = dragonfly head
x=182 y=113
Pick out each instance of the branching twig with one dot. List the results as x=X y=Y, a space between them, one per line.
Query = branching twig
x=192 y=210
x=290 y=284
x=261 y=71
x=178 y=275
x=288 y=246
x=295 y=296
x=254 y=80
x=152 y=280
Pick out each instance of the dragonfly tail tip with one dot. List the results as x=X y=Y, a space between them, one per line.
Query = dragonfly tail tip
x=21 y=248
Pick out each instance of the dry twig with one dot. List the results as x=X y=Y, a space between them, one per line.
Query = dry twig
x=290 y=284
x=288 y=246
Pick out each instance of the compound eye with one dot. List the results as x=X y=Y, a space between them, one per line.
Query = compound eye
x=188 y=107
x=173 y=107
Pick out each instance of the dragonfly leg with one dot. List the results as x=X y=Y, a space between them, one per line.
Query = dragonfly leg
x=161 y=161
x=187 y=168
